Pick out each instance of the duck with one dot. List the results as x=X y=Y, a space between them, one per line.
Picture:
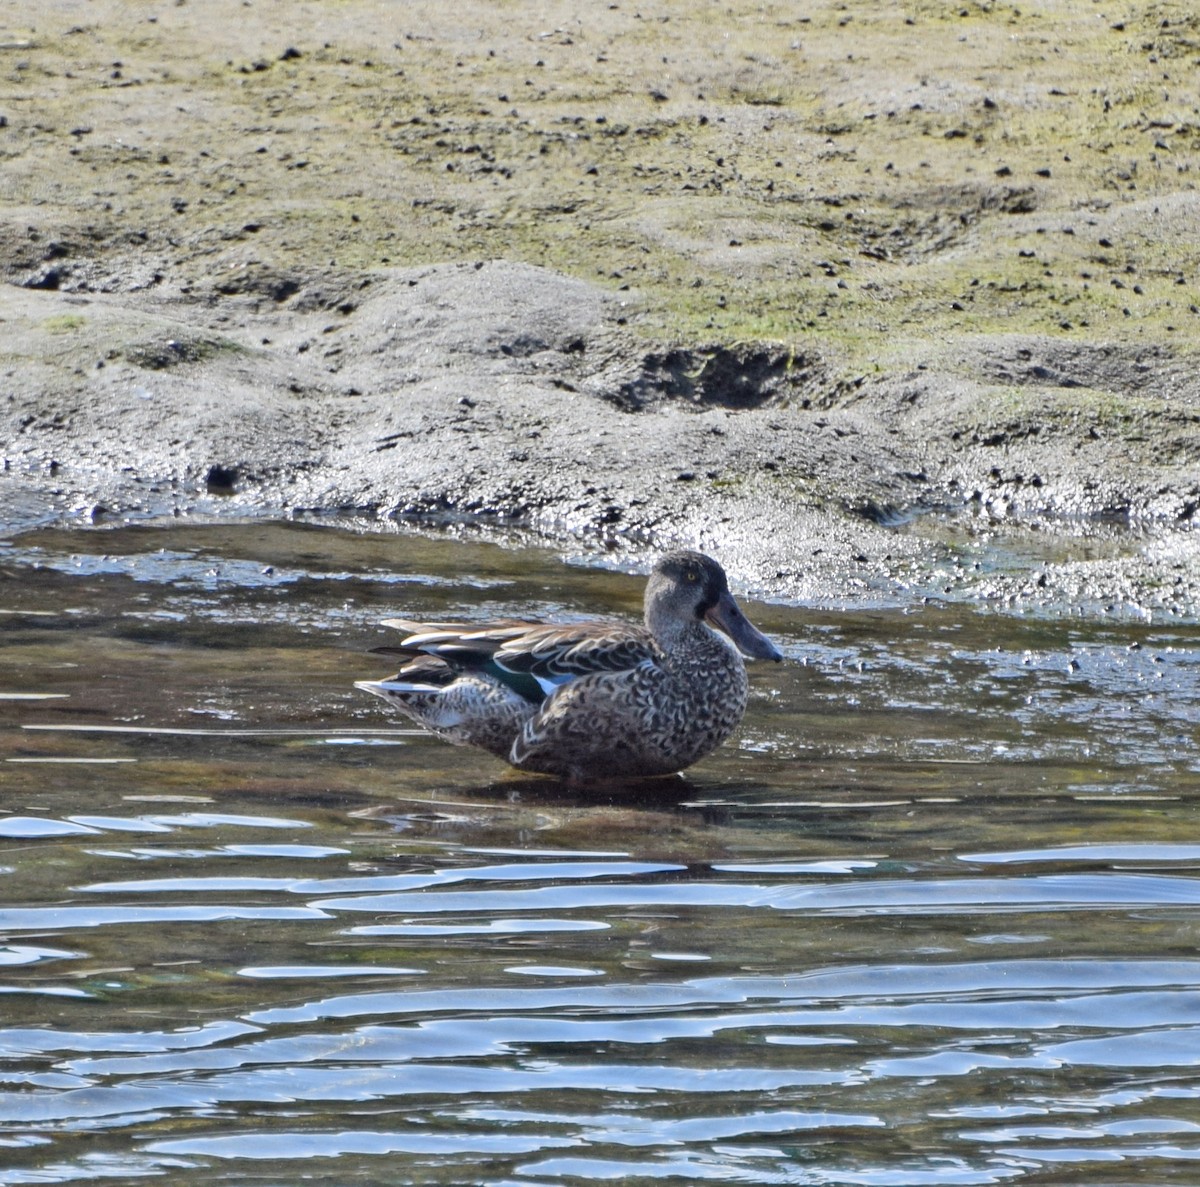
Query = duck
x=594 y=701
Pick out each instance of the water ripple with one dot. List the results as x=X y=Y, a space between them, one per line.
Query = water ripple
x=1051 y=892
x=932 y=923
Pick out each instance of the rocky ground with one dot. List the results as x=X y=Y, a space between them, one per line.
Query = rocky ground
x=877 y=302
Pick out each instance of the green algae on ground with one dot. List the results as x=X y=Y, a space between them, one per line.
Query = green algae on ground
x=748 y=170
x=64 y=323
x=159 y=354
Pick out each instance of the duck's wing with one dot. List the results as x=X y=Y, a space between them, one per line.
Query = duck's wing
x=484 y=636
x=464 y=648
x=557 y=654
x=531 y=658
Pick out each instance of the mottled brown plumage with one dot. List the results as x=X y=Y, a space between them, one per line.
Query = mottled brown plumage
x=589 y=701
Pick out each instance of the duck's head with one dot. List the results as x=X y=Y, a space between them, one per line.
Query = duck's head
x=686 y=587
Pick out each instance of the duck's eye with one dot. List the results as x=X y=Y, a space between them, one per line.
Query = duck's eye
x=693 y=576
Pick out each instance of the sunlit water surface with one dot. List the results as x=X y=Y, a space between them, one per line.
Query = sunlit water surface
x=930 y=919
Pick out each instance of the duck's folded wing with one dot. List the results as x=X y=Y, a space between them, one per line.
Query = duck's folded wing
x=555 y=655
x=485 y=636
x=531 y=658
x=459 y=644
x=471 y=648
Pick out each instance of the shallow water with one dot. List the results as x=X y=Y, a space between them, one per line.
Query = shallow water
x=932 y=919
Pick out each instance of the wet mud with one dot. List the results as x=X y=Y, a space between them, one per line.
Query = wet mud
x=859 y=302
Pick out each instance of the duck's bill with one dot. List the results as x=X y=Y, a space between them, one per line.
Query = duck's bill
x=726 y=616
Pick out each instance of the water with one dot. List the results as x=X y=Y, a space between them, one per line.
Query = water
x=932 y=919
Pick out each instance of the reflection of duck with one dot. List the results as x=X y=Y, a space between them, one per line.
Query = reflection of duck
x=589 y=701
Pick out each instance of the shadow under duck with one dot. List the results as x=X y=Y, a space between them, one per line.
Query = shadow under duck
x=589 y=701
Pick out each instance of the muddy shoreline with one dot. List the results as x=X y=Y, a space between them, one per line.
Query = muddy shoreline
x=857 y=324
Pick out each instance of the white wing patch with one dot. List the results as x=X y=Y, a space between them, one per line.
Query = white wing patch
x=549 y=683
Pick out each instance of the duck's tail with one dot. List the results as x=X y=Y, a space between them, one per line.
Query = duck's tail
x=395 y=688
x=466 y=710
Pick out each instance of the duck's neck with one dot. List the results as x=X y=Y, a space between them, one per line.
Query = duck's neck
x=686 y=641
x=669 y=630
